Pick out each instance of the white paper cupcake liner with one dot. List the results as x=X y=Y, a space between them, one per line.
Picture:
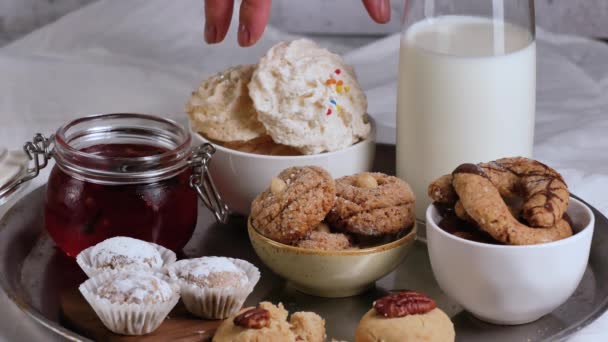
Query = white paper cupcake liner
x=84 y=260
x=216 y=303
x=127 y=319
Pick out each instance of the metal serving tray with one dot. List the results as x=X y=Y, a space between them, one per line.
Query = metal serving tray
x=33 y=273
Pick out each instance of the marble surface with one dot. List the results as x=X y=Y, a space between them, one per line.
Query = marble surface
x=581 y=17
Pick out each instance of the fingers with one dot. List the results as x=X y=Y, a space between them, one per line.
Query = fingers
x=379 y=10
x=217 y=19
x=252 y=20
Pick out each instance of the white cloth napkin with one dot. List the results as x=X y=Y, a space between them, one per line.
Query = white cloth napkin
x=147 y=56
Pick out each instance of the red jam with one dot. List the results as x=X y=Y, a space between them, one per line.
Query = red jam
x=80 y=214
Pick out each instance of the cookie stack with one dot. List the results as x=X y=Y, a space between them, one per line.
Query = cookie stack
x=305 y=207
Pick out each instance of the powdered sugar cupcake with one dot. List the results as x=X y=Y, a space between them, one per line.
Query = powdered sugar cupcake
x=124 y=253
x=214 y=287
x=133 y=302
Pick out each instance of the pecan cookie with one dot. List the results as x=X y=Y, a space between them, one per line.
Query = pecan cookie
x=372 y=204
x=405 y=316
x=296 y=201
x=268 y=322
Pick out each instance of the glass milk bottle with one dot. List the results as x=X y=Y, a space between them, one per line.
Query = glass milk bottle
x=467 y=82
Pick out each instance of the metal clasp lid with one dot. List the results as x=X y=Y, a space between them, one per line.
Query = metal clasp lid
x=40 y=151
x=201 y=181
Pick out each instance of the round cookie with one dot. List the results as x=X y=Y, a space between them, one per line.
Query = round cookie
x=276 y=328
x=268 y=322
x=326 y=241
x=308 y=326
x=372 y=204
x=297 y=200
x=433 y=326
x=221 y=108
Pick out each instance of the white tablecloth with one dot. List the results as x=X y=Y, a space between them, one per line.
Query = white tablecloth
x=147 y=55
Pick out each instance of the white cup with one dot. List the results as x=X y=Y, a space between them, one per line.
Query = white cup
x=240 y=176
x=510 y=284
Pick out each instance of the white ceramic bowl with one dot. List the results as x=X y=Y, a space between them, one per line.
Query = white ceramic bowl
x=510 y=284
x=240 y=176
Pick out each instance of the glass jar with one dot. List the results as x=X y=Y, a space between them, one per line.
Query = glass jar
x=123 y=175
x=467 y=87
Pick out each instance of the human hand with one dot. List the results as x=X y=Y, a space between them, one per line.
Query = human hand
x=254 y=15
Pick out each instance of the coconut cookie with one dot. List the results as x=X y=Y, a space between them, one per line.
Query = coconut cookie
x=372 y=204
x=221 y=108
x=309 y=98
x=296 y=201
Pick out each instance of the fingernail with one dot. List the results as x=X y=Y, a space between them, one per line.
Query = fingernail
x=384 y=9
x=210 y=33
x=244 y=35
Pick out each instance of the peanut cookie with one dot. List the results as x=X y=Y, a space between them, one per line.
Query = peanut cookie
x=297 y=200
x=372 y=204
x=326 y=241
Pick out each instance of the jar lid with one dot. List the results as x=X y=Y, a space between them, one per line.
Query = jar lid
x=13 y=166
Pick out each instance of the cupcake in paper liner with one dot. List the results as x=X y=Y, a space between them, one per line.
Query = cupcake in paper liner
x=124 y=253
x=214 y=287
x=133 y=302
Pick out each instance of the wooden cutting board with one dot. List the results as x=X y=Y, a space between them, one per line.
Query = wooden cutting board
x=180 y=325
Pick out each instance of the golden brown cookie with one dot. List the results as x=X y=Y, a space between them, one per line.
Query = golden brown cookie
x=307 y=326
x=544 y=192
x=483 y=203
x=442 y=191
x=372 y=204
x=296 y=201
x=269 y=323
x=325 y=241
x=406 y=316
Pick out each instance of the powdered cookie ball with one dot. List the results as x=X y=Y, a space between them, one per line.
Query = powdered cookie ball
x=221 y=108
x=210 y=272
x=372 y=204
x=214 y=287
x=308 y=98
x=135 y=288
x=296 y=201
x=122 y=253
x=130 y=303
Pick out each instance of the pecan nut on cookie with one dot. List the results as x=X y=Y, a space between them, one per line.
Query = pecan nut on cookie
x=542 y=188
x=372 y=204
x=295 y=203
x=483 y=203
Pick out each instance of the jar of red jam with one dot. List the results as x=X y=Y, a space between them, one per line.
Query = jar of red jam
x=124 y=175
